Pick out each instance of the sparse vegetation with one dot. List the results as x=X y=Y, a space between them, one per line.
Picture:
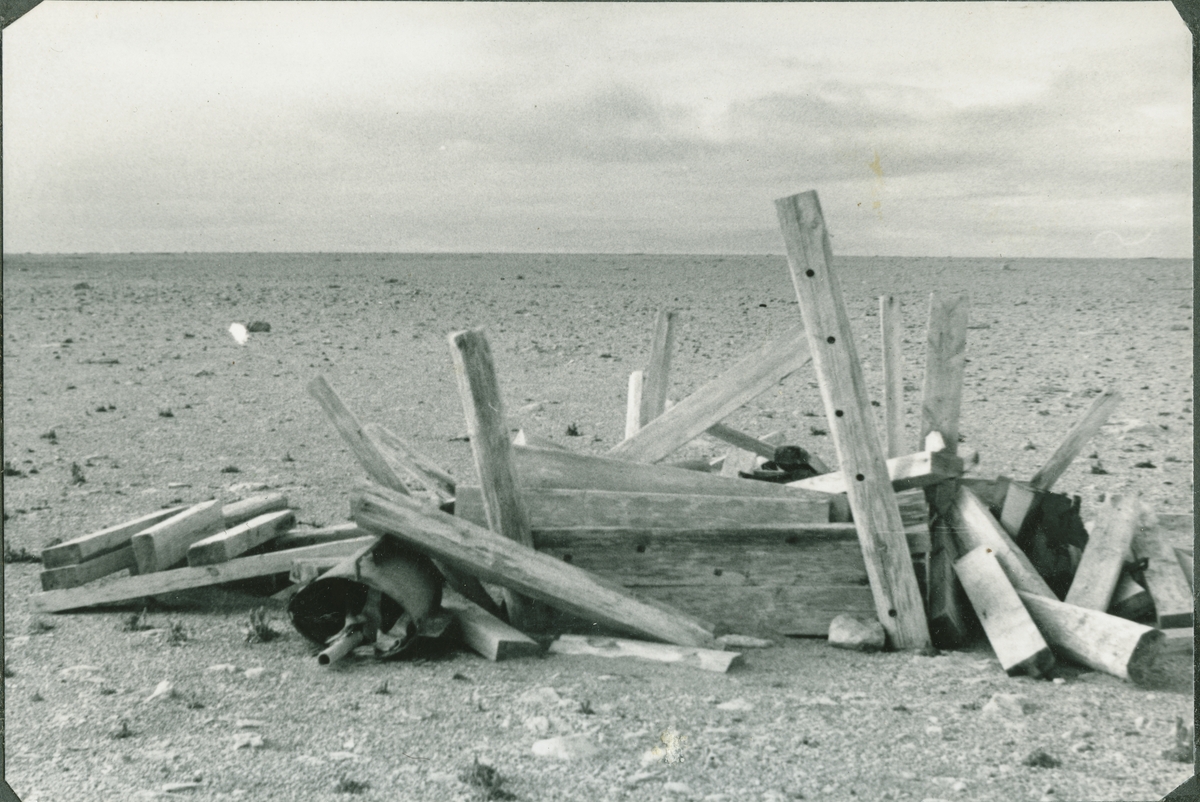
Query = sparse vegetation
x=177 y=634
x=349 y=786
x=258 y=628
x=77 y=477
x=166 y=413
x=20 y=555
x=12 y=470
x=231 y=469
x=40 y=626
x=487 y=780
x=136 y=622
x=122 y=730
x=381 y=689
x=573 y=430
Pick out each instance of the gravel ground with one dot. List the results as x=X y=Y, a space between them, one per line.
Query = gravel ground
x=799 y=720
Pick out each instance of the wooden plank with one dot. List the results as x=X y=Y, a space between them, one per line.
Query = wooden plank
x=572 y=507
x=1180 y=640
x=847 y=407
x=1104 y=642
x=552 y=468
x=1100 y=566
x=892 y=331
x=494 y=558
x=238 y=512
x=907 y=472
x=739 y=460
x=487 y=427
x=1173 y=604
x=945 y=360
x=85 y=547
x=1187 y=563
x=165 y=544
x=1019 y=501
x=366 y=448
x=1014 y=637
x=974 y=526
x=948 y=622
x=1131 y=600
x=524 y=438
x=750 y=377
x=240 y=539
x=594 y=646
x=136 y=587
x=486 y=634
x=1075 y=440
x=295 y=538
x=72 y=576
x=402 y=457
x=633 y=403
x=658 y=371
x=742 y=440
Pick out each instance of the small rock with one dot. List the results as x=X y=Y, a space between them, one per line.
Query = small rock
x=529 y=409
x=566 y=747
x=163 y=689
x=847 y=632
x=1097 y=468
x=248 y=487
x=933 y=731
x=254 y=673
x=171 y=788
x=908 y=775
x=1029 y=446
x=540 y=696
x=959 y=787
x=1081 y=746
x=1059 y=681
x=682 y=789
x=1040 y=759
x=738 y=704
x=228 y=668
x=258 y=326
x=1010 y=705
x=744 y=642
x=251 y=740
x=537 y=724
x=641 y=777
x=248 y=723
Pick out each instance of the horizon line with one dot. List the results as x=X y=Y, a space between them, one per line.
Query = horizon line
x=6 y=254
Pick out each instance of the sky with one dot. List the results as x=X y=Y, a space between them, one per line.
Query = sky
x=927 y=129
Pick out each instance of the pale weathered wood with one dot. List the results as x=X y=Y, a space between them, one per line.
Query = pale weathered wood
x=1019 y=501
x=72 y=576
x=633 y=403
x=85 y=547
x=295 y=538
x=1173 y=603
x=238 y=512
x=974 y=526
x=497 y=559
x=364 y=447
x=487 y=635
x=740 y=460
x=727 y=538
x=597 y=646
x=1014 y=637
x=1075 y=440
x=891 y=328
x=742 y=440
x=658 y=371
x=945 y=360
x=1131 y=600
x=558 y=508
x=240 y=539
x=847 y=406
x=907 y=472
x=948 y=623
x=1187 y=563
x=136 y=587
x=487 y=427
x=716 y=400
x=524 y=438
x=1179 y=640
x=1108 y=544
x=166 y=543
x=1098 y=640
x=403 y=457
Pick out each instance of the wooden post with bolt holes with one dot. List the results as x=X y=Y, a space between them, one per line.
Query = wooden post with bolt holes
x=487 y=427
x=657 y=376
x=892 y=328
x=877 y=519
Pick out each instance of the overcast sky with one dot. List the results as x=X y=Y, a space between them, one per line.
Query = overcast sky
x=927 y=129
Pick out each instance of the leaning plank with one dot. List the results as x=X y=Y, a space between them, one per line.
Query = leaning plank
x=487 y=427
x=590 y=645
x=911 y=470
x=1104 y=642
x=166 y=543
x=364 y=447
x=497 y=559
x=560 y=508
x=892 y=331
x=240 y=539
x=1188 y=564
x=1100 y=566
x=400 y=454
x=974 y=526
x=742 y=440
x=85 y=547
x=547 y=468
x=658 y=372
x=1014 y=637
x=716 y=400
x=1173 y=604
x=524 y=438
x=72 y=576
x=633 y=403
x=486 y=634
x=1075 y=440
x=948 y=625
x=238 y=512
x=1019 y=501
x=894 y=587
x=136 y=587
x=739 y=460
x=295 y=538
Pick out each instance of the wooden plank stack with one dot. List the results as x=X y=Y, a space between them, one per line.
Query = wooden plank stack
x=629 y=544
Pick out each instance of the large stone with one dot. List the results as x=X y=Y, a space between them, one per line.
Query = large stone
x=567 y=747
x=848 y=632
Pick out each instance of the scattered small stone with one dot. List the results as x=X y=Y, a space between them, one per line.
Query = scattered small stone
x=163 y=689
x=744 y=642
x=254 y=673
x=1041 y=759
x=681 y=789
x=1010 y=705
x=933 y=731
x=1081 y=746
x=566 y=747
x=1144 y=464
x=1029 y=446
x=228 y=668
x=248 y=723
x=641 y=777
x=540 y=696
x=739 y=705
x=251 y=740
x=258 y=326
x=530 y=409
x=537 y=724
x=172 y=788
x=959 y=786
x=848 y=632
x=1059 y=681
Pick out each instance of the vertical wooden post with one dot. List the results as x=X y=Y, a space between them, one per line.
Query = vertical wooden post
x=654 y=391
x=487 y=427
x=1173 y=602
x=877 y=519
x=892 y=329
x=633 y=403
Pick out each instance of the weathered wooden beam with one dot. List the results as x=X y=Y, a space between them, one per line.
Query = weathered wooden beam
x=487 y=427
x=161 y=582
x=1104 y=642
x=401 y=456
x=85 y=547
x=740 y=460
x=1019 y=501
x=1108 y=544
x=524 y=438
x=909 y=471
x=295 y=538
x=72 y=576
x=1015 y=639
x=657 y=376
x=166 y=543
x=365 y=448
x=945 y=361
x=893 y=581
x=593 y=646
x=892 y=330
x=1130 y=600
x=238 y=512
x=1173 y=603
x=742 y=440
x=974 y=526
x=240 y=539
x=1188 y=564
x=633 y=403
x=749 y=378
x=1075 y=440
x=948 y=622
x=487 y=635
x=497 y=559
x=730 y=538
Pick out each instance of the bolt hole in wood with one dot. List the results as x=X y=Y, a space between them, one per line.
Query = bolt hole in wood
x=892 y=613
x=567 y=558
x=792 y=540
x=809 y=273
x=717 y=572
x=859 y=477
x=838 y=412
x=641 y=549
x=831 y=340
